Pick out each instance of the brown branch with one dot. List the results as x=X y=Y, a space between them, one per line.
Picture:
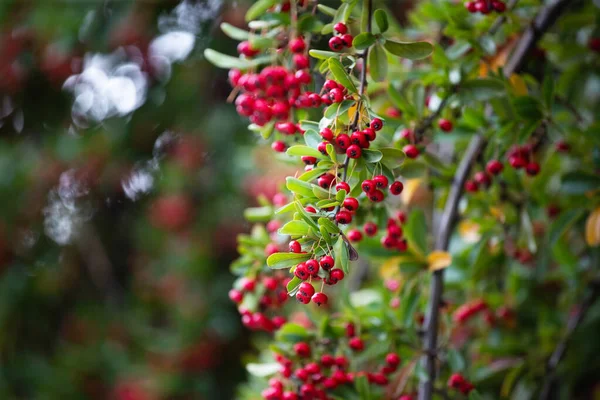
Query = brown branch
x=546 y=17
x=574 y=321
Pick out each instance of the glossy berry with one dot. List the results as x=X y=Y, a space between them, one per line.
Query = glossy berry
x=312 y=266
x=302 y=349
x=342 y=186
x=337 y=274
x=269 y=283
x=330 y=84
x=376 y=124
x=319 y=298
x=278 y=146
x=402 y=245
x=336 y=95
x=499 y=6
x=301 y=61
x=370 y=229
x=396 y=188
x=326 y=262
x=302 y=298
x=407 y=134
x=327 y=360
x=246 y=49
x=401 y=216
x=380 y=181
x=297 y=45
x=482 y=179
x=343 y=141
x=368 y=186
x=301 y=272
x=236 y=296
x=370 y=134
x=356 y=344
x=306 y=289
x=517 y=162
x=389 y=242
x=354 y=151
x=411 y=151
x=347 y=39
x=445 y=125
x=340 y=28
x=470 y=6
x=471 y=186
x=322 y=147
x=395 y=231
x=532 y=169
x=308 y=160
x=343 y=217
x=494 y=167
x=354 y=235
x=350 y=204
x=310 y=209
x=376 y=196
x=325 y=180
x=392 y=359
x=327 y=134
x=336 y=43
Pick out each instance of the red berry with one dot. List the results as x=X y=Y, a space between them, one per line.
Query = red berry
x=470 y=6
x=494 y=167
x=248 y=284
x=380 y=181
x=336 y=95
x=306 y=289
x=319 y=298
x=343 y=141
x=269 y=283
x=340 y=28
x=499 y=6
x=301 y=272
x=322 y=147
x=302 y=298
x=483 y=179
x=445 y=125
x=594 y=44
x=301 y=61
x=402 y=245
x=563 y=146
x=337 y=274
x=411 y=151
x=401 y=216
x=278 y=146
x=297 y=45
x=310 y=209
x=354 y=151
x=396 y=188
x=236 y=296
x=327 y=134
x=336 y=43
x=517 y=162
x=302 y=349
x=392 y=359
x=325 y=180
x=471 y=186
x=395 y=231
x=343 y=217
x=407 y=134
x=356 y=344
x=347 y=39
x=350 y=204
x=482 y=7
x=370 y=229
x=376 y=124
x=342 y=186
x=326 y=262
x=368 y=186
x=376 y=196
x=354 y=235
x=370 y=134
x=246 y=49
x=312 y=266
x=308 y=160
x=389 y=242
x=330 y=84
x=532 y=169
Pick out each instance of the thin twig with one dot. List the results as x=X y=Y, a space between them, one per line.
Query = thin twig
x=558 y=353
x=502 y=19
x=546 y=17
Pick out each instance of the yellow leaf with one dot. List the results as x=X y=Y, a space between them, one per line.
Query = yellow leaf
x=439 y=260
x=410 y=188
x=498 y=213
x=469 y=231
x=352 y=111
x=390 y=268
x=518 y=85
x=592 y=228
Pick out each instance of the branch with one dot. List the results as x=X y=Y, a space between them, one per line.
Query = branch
x=558 y=353
x=546 y=17
x=363 y=72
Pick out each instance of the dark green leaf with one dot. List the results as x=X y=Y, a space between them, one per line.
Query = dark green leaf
x=483 y=89
x=392 y=157
x=378 y=63
x=371 y=156
x=363 y=40
x=412 y=51
x=415 y=231
x=381 y=19
x=579 y=183
x=340 y=74
x=562 y=224
x=528 y=107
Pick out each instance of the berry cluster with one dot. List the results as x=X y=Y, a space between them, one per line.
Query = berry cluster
x=351 y=144
x=342 y=39
x=373 y=188
x=467 y=311
x=272 y=294
x=485 y=6
x=307 y=375
x=460 y=383
x=393 y=239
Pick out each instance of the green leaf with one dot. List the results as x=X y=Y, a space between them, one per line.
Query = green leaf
x=300 y=150
x=455 y=360
x=295 y=228
x=310 y=23
x=263 y=370
x=548 y=90
x=234 y=32
x=312 y=174
x=381 y=19
x=341 y=195
x=328 y=225
x=286 y=260
x=412 y=51
x=372 y=156
x=363 y=40
x=340 y=74
x=562 y=224
x=291 y=333
x=341 y=254
x=259 y=8
x=319 y=192
x=378 y=63
x=226 y=61
x=299 y=187
x=408 y=305
x=326 y=203
x=258 y=214
x=312 y=138
x=326 y=10
x=362 y=387
x=338 y=109
x=484 y=89
x=579 y=183
x=293 y=285
x=528 y=107
x=322 y=54
x=305 y=215
x=433 y=161
x=415 y=231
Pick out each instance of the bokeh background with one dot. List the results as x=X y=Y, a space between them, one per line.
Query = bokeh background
x=123 y=178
